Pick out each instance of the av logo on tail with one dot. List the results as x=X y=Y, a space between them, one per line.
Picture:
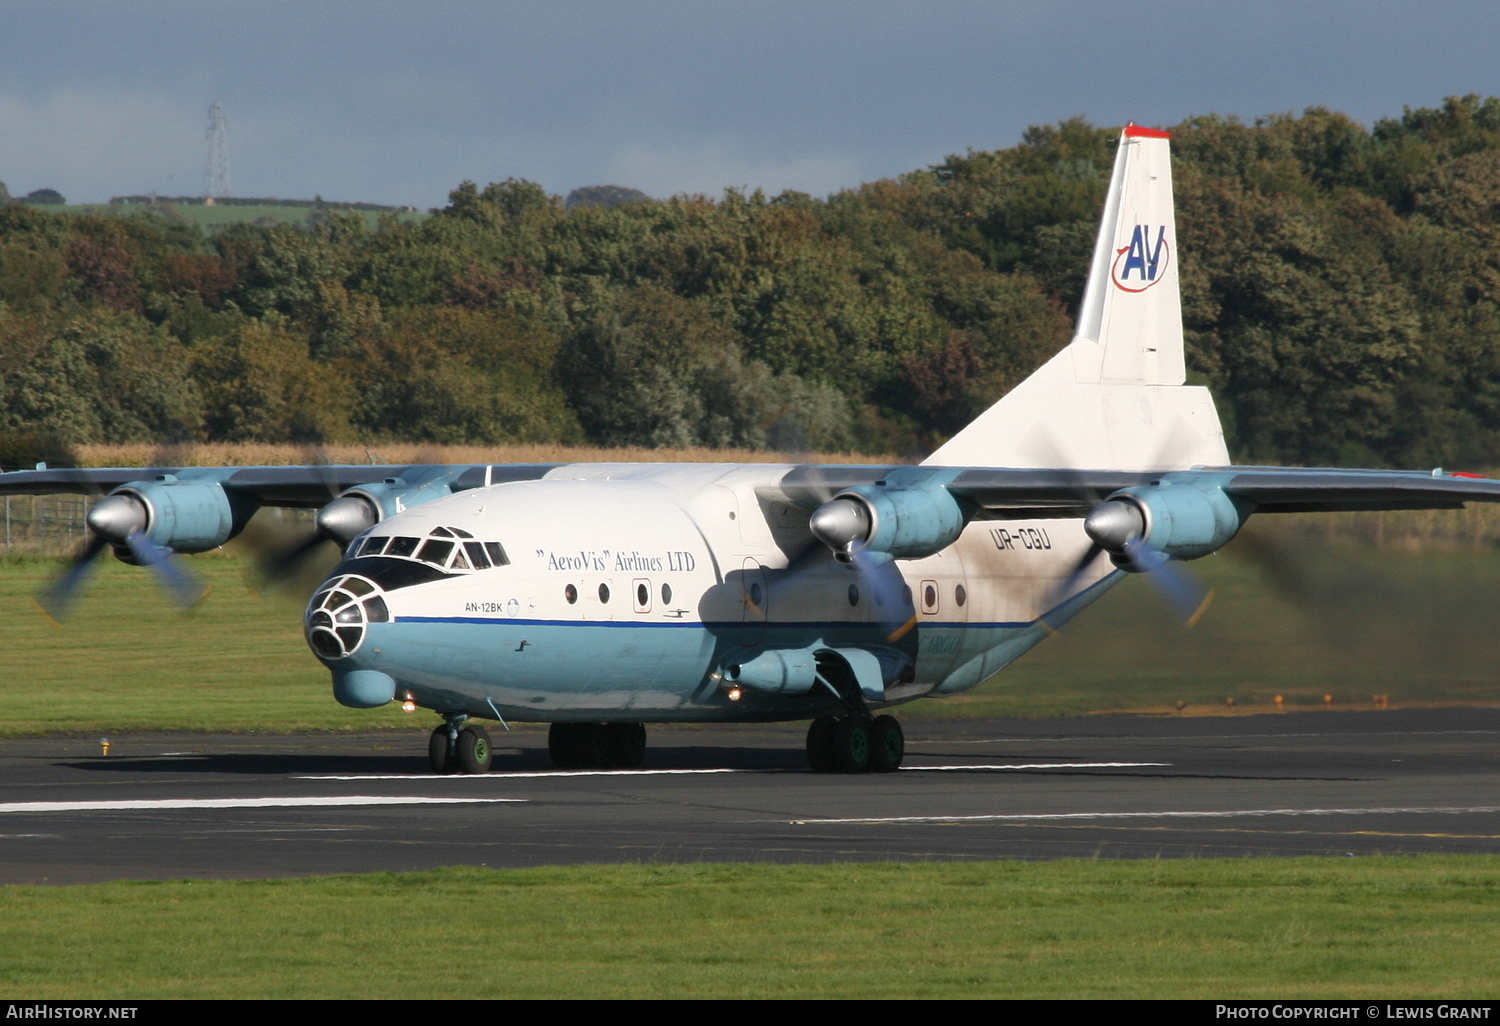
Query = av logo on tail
x=1143 y=263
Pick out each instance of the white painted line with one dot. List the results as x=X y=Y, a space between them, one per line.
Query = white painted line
x=461 y=777
x=432 y=778
x=1226 y=814
x=1034 y=766
x=1159 y=738
x=149 y=805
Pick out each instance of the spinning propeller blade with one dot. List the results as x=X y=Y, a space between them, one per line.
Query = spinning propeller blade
x=119 y=520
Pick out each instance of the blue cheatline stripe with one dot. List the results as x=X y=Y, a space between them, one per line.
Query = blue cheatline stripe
x=724 y=625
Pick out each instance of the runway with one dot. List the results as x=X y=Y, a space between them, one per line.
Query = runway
x=240 y=806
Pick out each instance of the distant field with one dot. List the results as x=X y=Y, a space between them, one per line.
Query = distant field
x=1380 y=927
x=243 y=454
x=1415 y=628
x=222 y=214
x=1396 y=608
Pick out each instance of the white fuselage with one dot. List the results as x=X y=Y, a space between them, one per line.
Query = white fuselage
x=629 y=587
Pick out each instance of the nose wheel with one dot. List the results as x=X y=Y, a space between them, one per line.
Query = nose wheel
x=849 y=745
x=453 y=748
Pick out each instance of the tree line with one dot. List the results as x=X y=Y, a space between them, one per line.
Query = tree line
x=1341 y=295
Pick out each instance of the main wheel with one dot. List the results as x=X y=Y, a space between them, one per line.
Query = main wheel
x=562 y=745
x=474 y=751
x=820 y=744
x=438 y=755
x=887 y=744
x=851 y=747
x=626 y=743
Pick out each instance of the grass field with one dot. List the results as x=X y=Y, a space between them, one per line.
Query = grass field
x=225 y=213
x=1416 y=627
x=1380 y=927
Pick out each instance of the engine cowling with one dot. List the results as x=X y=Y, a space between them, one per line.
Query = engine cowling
x=905 y=523
x=183 y=516
x=1182 y=521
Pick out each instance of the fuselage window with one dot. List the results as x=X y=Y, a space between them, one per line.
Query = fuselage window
x=642 y=595
x=603 y=593
x=853 y=595
x=571 y=594
x=960 y=595
x=666 y=594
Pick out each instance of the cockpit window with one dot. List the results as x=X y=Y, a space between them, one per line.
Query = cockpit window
x=477 y=555
x=442 y=548
x=401 y=547
x=435 y=552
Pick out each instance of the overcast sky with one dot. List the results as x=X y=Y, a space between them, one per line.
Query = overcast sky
x=398 y=102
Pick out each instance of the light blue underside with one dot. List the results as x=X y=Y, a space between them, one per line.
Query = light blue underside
x=550 y=670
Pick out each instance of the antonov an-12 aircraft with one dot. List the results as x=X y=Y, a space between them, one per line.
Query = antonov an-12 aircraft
x=604 y=596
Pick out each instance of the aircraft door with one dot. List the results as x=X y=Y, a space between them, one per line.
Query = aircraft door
x=755 y=601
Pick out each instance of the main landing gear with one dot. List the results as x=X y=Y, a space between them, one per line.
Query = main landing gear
x=597 y=745
x=454 y=748
x=849 y=744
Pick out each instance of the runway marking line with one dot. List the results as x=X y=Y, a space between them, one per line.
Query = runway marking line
x=1023 y=817
x=531 y=774
x=152 y=805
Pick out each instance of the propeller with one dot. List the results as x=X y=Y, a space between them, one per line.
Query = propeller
x=844 y=525
x=340 y=520
x=1118 y=527
x=118 y=520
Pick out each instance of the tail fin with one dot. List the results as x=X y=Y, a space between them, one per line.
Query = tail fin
x=1114 y=399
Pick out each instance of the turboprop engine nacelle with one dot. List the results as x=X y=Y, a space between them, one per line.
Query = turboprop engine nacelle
x=183 y=516
x=1180 y=521
x=359 y=509
x=905 y=522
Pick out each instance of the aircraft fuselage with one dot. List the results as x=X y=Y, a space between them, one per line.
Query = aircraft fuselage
x=627 y=589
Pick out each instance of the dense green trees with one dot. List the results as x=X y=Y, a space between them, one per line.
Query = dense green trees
x=1341 y=295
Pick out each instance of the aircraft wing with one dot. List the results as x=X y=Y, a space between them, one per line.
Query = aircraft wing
x=305 y=486
x=1263 y=489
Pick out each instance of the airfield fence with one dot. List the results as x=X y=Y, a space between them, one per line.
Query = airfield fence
x=45 y=523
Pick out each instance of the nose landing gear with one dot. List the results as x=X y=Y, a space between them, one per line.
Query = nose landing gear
x=454 y=748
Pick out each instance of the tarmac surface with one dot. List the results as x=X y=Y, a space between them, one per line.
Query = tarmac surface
x=174 y=806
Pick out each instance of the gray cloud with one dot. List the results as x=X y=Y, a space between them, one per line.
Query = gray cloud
x=397 y=103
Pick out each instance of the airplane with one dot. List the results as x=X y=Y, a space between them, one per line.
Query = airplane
x=600 y=597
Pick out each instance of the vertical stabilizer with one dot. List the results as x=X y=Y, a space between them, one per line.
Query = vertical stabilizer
x=1114 y=398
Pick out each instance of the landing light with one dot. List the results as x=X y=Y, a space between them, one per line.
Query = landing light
x=734 y=694
x=408 y=705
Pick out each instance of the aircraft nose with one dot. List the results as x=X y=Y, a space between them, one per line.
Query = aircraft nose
x=339 y=613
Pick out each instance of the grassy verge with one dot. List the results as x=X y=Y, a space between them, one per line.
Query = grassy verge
x=1415 y=628
x=1306 y=928
x=1412 y=628
x=128 y=660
